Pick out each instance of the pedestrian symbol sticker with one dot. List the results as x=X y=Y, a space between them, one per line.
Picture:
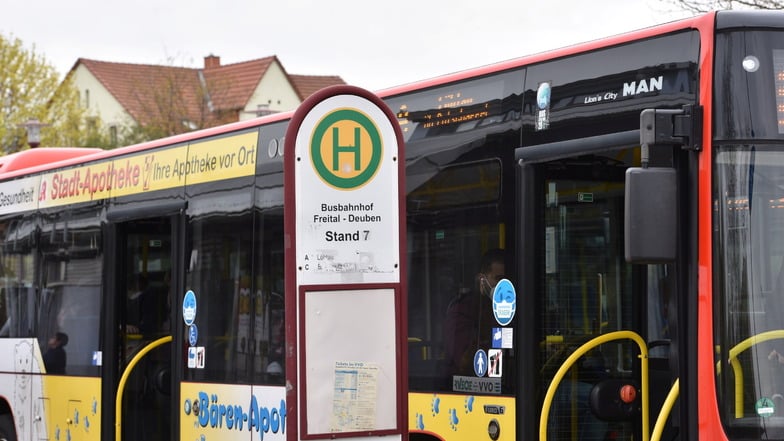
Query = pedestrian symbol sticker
x=480 y=363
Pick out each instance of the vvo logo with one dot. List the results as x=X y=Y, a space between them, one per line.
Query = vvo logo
x=476 y=385
x=346 y=149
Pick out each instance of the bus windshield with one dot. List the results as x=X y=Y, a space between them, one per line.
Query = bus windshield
x=748 y=197
x=749 y=283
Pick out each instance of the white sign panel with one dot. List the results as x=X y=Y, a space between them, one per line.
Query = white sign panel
x=347 y=194
x=19 y=195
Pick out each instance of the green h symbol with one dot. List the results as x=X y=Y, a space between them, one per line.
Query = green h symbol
x=337 y=149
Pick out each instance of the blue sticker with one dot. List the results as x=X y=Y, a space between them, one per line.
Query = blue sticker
x=498 y=338
x=504 y=302
x=193 y=334
x=543 y=96
x=189 y=308
x=480 y=363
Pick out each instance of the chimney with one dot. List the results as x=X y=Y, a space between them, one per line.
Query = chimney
x=211 y=61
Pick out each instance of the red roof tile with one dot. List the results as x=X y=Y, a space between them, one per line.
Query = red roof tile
x=147 y=91
x=307 y=85
x=232 y=85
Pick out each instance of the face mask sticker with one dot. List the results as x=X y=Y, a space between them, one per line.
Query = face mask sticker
x=504 y=302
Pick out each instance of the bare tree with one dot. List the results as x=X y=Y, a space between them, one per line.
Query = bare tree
x=169 y=100
x=162 y=102
x=713 y=5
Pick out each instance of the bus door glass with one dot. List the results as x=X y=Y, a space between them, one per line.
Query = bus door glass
x=144 y=279
x=584 y=289
x=749 y=280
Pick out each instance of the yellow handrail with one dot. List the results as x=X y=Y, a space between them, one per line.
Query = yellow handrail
x=736 y=368
x=582 y=350
x=736 y=350
x=124 y=378
x=667 y=406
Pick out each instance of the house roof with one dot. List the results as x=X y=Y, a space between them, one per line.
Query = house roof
x=148 y=91
x=307 y=85
x=231 y=86
x=142 y=89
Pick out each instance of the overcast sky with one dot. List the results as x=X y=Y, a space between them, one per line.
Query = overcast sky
x=374 y=44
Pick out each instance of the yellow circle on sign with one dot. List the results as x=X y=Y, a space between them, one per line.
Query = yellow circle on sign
x=346 y=149
x=355 y=149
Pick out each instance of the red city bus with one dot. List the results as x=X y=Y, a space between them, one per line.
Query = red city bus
x=592 y=254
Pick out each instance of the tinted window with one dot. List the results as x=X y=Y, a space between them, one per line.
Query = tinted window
x=749 y=85
x=71 y=265
x=604 y=91
x=234 y=265
x=460 y=140
x=17 y=302
x=749 y=284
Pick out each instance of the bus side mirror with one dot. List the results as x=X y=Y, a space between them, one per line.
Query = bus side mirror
x=650 y=215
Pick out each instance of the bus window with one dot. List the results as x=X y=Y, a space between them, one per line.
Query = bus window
x=267 y=310
x=219 y=275
x=750 y=285
x=218 y=265
x=143 y=265
x=19 y=280
x=454 y=220
x=70 y=295
x=458 y=200
x=587 y=289
x=267 y=340
x=147 y=279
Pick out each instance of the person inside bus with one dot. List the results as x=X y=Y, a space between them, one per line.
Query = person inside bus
x=54 y=358
x=146 y=309
x=469 y=317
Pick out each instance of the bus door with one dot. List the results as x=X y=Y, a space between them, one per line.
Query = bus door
x=140 y=369
x=576 y=277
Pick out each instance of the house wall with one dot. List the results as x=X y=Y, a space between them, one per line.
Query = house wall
x=101 y=103
x=274 y=90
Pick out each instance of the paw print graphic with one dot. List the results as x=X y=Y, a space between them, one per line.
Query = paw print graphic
x=420 y=423
x=469 y=404
x=453 y=420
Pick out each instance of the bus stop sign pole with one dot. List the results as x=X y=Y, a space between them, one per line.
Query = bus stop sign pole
x=345 y=246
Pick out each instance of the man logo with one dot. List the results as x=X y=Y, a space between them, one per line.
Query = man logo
x=346 y=149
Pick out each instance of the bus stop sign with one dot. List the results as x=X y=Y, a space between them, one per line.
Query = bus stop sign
x=345 y=236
